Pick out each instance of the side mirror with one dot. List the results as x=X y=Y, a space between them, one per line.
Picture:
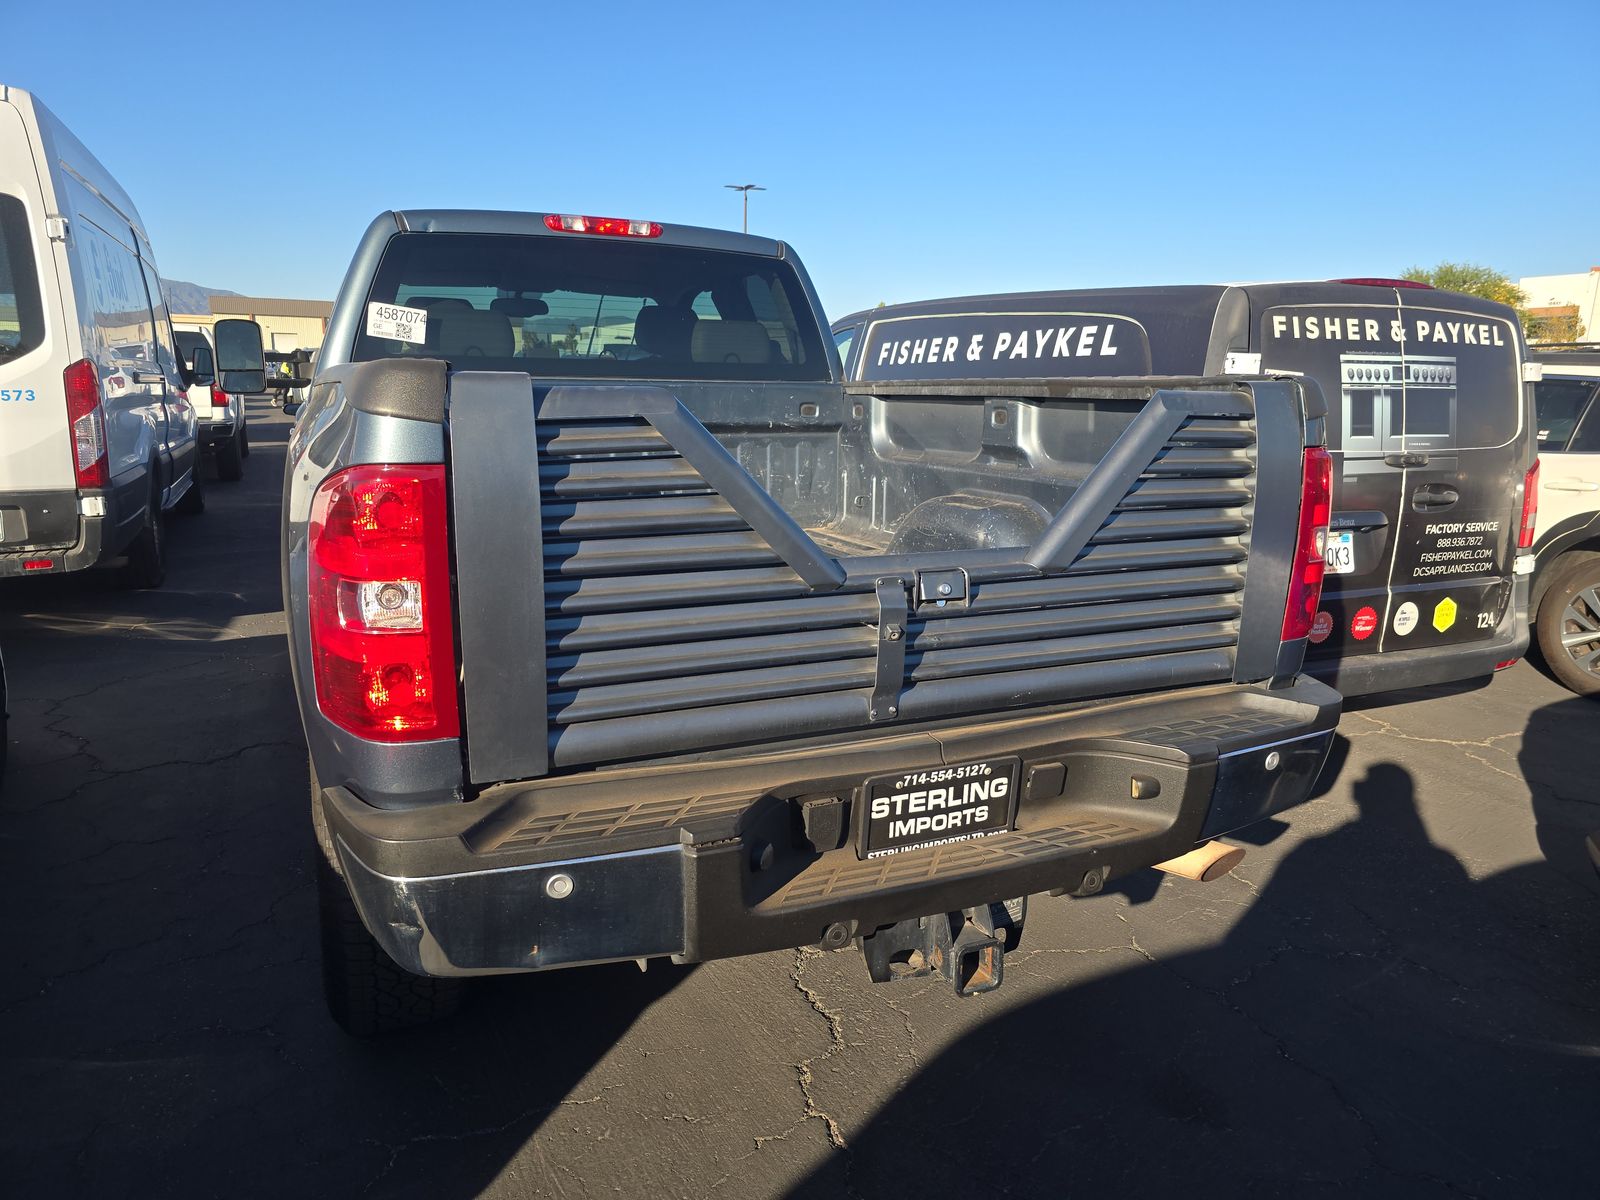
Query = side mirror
x=240 y=366
x=204 y=370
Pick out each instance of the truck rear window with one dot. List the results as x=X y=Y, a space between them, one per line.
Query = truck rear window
x=21 y=314
x=575 y=307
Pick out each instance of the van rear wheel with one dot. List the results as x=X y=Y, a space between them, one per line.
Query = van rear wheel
x=1568 y=625
x=147 y=553
x=367 y=992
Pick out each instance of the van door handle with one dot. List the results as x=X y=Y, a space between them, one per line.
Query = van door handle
x=1412 y=459
x=1434 y=495
x=1572 y=485
x=149 y=377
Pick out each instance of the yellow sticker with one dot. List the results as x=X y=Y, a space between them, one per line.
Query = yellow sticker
x=1444 y=614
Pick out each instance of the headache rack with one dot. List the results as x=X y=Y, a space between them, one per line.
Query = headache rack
x=640 y=594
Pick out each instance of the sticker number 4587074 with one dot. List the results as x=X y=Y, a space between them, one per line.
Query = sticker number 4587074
x=23 y=394
x=397 y=323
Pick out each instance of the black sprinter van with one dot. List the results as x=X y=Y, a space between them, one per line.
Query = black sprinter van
x=1429 y=423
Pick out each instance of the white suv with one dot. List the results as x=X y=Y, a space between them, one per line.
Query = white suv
x=218 y=414
x=1566 y=586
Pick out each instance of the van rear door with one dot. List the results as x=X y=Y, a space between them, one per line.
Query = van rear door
x=1462 y=441
x=35 y=447
x=1354 y=352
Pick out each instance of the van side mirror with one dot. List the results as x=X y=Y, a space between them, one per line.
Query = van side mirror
x=204 y=369
x=240 y=366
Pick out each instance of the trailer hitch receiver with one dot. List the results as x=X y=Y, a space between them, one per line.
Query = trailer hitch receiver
x=967 y=947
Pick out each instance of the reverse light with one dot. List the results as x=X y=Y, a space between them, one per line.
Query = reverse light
x=382 y=636
x=1530 y=507
x=614 y=226
x=87 y=415
x=1310 y=564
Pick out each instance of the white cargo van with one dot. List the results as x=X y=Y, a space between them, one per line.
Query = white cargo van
x=97 y=436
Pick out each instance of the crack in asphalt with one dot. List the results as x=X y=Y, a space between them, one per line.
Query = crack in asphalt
x=836 y=1043
x=1389 y=729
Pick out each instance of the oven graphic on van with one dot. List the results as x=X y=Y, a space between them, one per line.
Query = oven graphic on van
x=1394 y=402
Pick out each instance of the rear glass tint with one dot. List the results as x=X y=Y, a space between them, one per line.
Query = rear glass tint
x=21 y=312
x=576 y=306
x=1559 y=403
x=1413 y=379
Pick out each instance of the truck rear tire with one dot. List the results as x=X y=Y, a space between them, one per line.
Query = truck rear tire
x=230 y=459
x=1571 y=605
x=367 y=992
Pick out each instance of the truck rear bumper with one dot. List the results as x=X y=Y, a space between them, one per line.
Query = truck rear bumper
x=707 y=860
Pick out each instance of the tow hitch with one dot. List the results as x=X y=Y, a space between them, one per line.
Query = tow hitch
x=967 y=947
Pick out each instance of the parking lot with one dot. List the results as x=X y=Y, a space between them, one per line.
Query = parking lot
x=1398 y=992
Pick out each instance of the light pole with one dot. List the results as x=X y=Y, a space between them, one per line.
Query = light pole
x=746 y=188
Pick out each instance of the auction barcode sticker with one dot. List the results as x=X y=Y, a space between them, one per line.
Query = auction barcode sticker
x=397 y=322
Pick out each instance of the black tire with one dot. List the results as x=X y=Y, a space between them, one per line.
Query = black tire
x=147 y=553
x=1571 y=609
x=244 y=438
x=194 y=500
x=367 y=992
x=230 y=459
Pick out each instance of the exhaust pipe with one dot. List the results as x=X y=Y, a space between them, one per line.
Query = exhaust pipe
x=1204 y=863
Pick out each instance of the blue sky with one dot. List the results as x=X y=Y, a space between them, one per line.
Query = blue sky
x=909 y=151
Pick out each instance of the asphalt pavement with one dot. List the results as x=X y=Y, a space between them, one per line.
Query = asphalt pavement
x=1397 y=993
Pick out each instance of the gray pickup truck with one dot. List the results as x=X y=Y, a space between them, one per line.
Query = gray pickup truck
x=623 y=628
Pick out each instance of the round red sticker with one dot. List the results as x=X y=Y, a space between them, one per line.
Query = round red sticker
x=1363 y=623
x=1321 y=627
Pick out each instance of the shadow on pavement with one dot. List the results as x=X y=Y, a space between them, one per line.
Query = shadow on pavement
x=1453 y=1024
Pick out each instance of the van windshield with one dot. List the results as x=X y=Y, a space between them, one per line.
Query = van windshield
x=21 y=312
x=582 y=306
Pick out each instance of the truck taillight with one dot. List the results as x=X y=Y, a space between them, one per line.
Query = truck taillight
x=382 y=637
x=88 y=419
x=1530 y=507
x=219 y=398
x=615 y=226
x=1310 y=563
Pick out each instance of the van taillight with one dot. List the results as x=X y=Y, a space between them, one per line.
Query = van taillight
x=219 y=398
x=88 y=420
x=382 y=637
x=1316 y=510
x=1530 y=507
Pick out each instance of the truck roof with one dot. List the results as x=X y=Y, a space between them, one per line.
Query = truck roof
x=478 y=220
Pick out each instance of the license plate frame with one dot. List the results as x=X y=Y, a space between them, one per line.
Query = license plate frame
x=1339 y=554
x=934 y=795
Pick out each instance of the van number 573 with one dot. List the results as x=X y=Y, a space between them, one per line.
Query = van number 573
x=7 y=394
